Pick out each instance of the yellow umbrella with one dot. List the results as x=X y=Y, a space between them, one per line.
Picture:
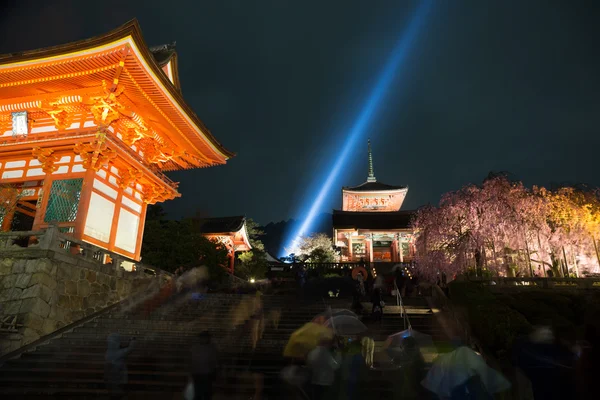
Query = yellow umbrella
x=305 y=339
x=246 y=308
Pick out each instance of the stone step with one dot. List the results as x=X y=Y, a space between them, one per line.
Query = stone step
x=73 y=365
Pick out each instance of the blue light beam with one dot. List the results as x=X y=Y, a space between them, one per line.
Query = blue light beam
x=398 y=55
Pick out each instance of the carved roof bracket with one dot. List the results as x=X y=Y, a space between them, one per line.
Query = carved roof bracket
x=46 y=158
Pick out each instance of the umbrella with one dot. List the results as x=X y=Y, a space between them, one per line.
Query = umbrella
x=455 y=368
x=399 y=347
x=323 y=317
x=246 y=308
x=305 y=339
x=346 y=325
x=422 y=339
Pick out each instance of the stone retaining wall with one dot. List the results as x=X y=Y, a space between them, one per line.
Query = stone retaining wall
x=51 y=290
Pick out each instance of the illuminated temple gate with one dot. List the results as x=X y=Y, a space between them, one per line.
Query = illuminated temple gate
x=231 y=232
x=370 y=227
x=86 y=131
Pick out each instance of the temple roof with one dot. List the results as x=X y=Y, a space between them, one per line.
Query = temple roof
x=373 y=187
x=79 y=70
x=162 y=54
x=222 y=224
x=371 y=220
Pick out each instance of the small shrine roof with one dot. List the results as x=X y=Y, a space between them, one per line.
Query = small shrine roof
x=374 y=187
x=372 y=220
x=222 y=224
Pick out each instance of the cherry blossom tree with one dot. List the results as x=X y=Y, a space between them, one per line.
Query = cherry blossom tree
x=502 y=228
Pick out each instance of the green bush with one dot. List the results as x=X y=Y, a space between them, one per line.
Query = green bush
x=496 y=325
x=493 y=322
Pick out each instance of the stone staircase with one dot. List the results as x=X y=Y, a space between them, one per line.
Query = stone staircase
x=73 y=365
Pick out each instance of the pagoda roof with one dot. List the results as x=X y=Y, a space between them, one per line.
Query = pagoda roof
x=118 y=57
x=372 y=220
x=163 y=54
x=374 y=187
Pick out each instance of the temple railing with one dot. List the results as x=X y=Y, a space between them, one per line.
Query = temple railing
x=381 y=268
x=539 y=283
x=52 y=239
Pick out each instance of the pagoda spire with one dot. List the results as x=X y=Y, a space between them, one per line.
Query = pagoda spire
x=371 y=177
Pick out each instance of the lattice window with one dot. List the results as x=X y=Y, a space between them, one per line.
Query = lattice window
x=63 y=201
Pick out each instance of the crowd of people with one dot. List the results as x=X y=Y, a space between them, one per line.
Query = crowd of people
x=336 y=367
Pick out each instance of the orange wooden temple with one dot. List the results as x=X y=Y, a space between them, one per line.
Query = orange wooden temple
x=231 y=232
x=86 y=131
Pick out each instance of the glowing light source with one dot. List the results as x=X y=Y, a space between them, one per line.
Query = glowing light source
x=364 y=117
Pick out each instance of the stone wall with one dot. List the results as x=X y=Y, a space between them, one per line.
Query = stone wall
x=46 y=291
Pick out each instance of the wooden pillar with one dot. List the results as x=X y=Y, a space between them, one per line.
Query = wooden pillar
x=140 y=236
x=349 y=240
x=84 y=202
x=370 y=241
x=400 y=249
x=394 y=249
x=231 y=261
x=42 y=203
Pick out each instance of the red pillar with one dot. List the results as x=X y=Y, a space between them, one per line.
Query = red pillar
x=395 y=251
x=231 y=261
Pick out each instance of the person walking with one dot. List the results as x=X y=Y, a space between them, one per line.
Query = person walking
x=353 y=371
x=115 y=367
x=323 y=364
x=204 y=364
x=377 y=309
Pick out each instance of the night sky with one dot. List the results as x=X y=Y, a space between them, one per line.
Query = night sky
x=488 y=85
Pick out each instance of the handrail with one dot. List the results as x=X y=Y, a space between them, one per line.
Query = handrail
x=542 y=283
x=400 y=303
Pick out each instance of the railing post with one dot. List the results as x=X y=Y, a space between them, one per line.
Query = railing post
x=48 y=240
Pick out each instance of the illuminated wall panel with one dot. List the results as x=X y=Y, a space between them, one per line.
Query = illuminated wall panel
x=131 y=204
x=127 y=231
x=99 y=218
x=101 y=187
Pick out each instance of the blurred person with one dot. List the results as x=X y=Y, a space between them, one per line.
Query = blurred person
x=547 y=363
x=377 y=300
x=323 y=364
x=356 y=304
x=204 y=364
x=587 y=366
x=353 y=370
x=361 y=285
x=400 y=281
x=115 y=367
x=413 y=367
x=257 y=320
x=368 y=350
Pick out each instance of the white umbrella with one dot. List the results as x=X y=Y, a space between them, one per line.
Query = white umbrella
x=334 y=313
x=346 y=325
x=455 y=368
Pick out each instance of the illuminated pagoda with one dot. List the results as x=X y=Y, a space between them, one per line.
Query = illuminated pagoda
x=370 y=227
x=230 y=231
x=87 y=130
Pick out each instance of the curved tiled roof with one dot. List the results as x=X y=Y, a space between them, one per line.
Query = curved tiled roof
x=373 y=187
x=20 y=73
x=222 y=224
x=372 y=220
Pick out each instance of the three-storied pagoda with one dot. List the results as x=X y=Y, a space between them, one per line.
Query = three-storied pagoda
x=86 y=131
x=370 y=227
